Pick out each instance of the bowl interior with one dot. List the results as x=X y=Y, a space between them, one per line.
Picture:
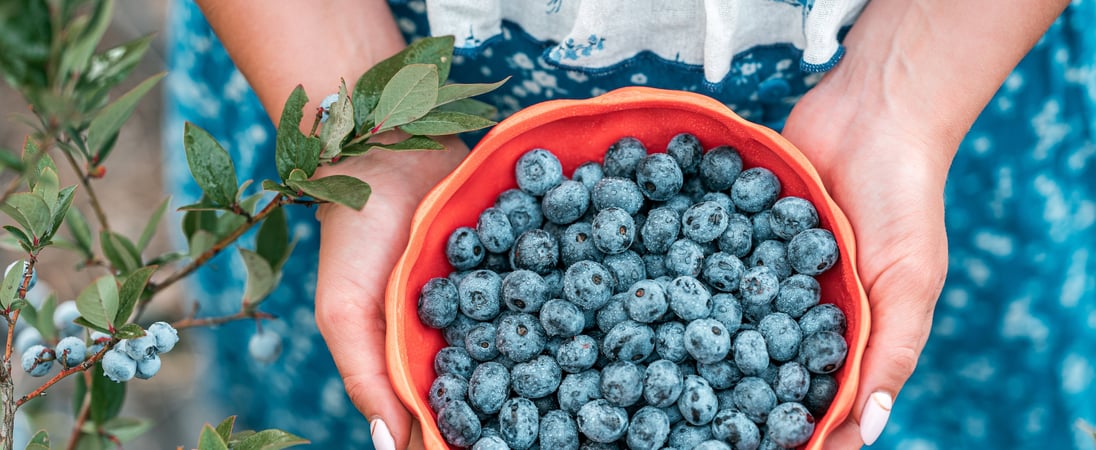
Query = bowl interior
x=578 y=131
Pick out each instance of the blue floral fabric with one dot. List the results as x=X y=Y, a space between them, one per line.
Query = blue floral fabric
x=1012 y=358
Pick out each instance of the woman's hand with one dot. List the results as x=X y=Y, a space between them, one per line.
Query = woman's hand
x=357 y=252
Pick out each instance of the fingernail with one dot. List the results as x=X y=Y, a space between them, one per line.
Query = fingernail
x=382 y=438
x=875 y=416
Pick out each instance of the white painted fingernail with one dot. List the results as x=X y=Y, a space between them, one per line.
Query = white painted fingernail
x=875 y=416
x=382 y=438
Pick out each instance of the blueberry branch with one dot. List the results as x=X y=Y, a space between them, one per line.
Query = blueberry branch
x=243 y=314
x=82 y=416
x=87 y=364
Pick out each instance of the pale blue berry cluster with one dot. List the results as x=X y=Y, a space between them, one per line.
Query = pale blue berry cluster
x=140 y=357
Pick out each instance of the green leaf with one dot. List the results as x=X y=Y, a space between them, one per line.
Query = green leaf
x=108 y=68
x=120 y=251
x=270 y=440
x=29 y=211
x=470 y=106
x=129 y=331
x=270 y=185
x=19 y=236
x=46 y=186
x=75 y=57
x=340 y=122
x=408 y=96
x=272 y=239
x=40 y=441
x=84 y=323
x=224 y=429
x=11 y=160
x=44 y=320
x=130 y=294
x=198 y=220
x=80 y=231
x=437 y=51
x=200 y=242
x=211 y=440
x=27 y=310
x=98 y=302
x=292 y=149
x=153 y=223
x=261 y=279
x=107 y=397
x=453 y=92
x=210 y=165
x=9 y=289
x=411 y=143
x=439 y=123
x=108 y=121
x=125 y=429
x=60 y=211
x=341 y=189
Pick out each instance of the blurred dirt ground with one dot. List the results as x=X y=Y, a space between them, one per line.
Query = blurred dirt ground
x=130 y=192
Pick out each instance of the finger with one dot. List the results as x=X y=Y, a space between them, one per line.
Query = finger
x=350 y=315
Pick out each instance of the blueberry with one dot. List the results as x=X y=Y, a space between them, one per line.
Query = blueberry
x=713 y=444
x=648 y=429
x=723 y=200
x=535 y=250
x=553 y=281
x=754 y=398
x=613 y=192
x=658 y=177
x=166 y=336
x=537 y=171
x=480 y=342
x=438 y=303
x=63 y=319
x=519 y=423
x=71 y=351
x=558 y=431
x=537 y=378
x=458 y=424
x=704 y=222
x=722 y=374
x=791 y=215
x=628 y=341
x=627 y=268
x=98 y=340
x=587 y=284
x=813 y=251
x=522 y=209
x=661 y=229
x=728 y=311
x=622 y=383
x=737 y=239
x=686 y=149
x=577 y=244
x=453 y=360
x=622 y=157
x=490 y=443
x=759 y=285
x=762 y=227
x=823 y=352
x=614 y=230
x=654 y=265
x=588 y=173
x=578 y=389
x=602 y=422
x=496 y=262
x=689 y=299
x=698 y=403
x=755 y=189
x=494 y=230
x=790 y=425
x=479 y=294
x=524 y=291
x=139 y=348
x=750 y=352
x=798 y=293
x=489 y=387
x=147 y=368
x=685 y=436
x=577 y=354
x=767 y=443
x=823 y=317
x=782 y=336
x=820 y=394
x=646 y=301
x=612 y=313
x=464 y=249
x=792 y=382
x=325 y=106
x=684 y=258
x=117 y=365
x=707 y=340
x=719 y=167
x=560 y=317
x=27 y=338
x=520 y=337
x=670 y=341
x=566 y=202
x=774 y=255
x=454 y=333
x=37 y=360
x=723 y=271
x=33 y=274
x=673 y=414
x=736 y=428
x=662 y=383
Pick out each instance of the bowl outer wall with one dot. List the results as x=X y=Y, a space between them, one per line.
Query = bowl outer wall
x=578 y=131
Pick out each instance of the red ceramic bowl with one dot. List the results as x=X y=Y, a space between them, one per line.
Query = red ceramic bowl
x=578 y=131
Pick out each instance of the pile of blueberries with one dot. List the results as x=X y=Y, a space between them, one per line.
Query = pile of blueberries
x=649 y=301
x=138 y=357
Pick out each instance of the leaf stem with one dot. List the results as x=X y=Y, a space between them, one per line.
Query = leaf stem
x=86 y=181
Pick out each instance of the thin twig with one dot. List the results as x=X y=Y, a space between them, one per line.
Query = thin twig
x=82 y=416
x=64 y=374
x=86 y=181
x=243 y=314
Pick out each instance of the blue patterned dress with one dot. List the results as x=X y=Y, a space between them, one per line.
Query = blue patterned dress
x=1012 y=358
